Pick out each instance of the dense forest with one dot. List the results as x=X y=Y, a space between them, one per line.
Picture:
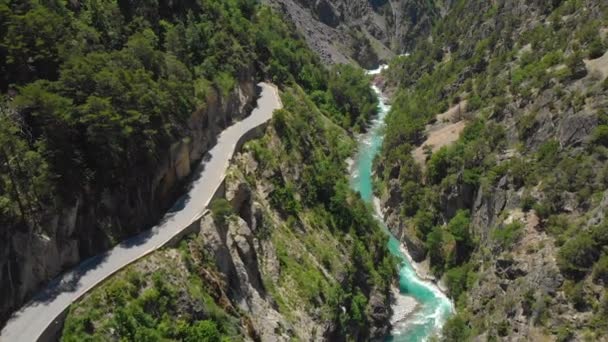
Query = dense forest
x=529 y=165
x=98 y=88
x=95 y=95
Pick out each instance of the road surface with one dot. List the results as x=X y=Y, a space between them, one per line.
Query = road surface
x=32 y=319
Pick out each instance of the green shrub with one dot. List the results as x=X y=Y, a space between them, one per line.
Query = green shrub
x=459 y=228
x=600 y=270
x=503 y=328
x=577 y=255
x=599 y=234
x=564 y=334
x=438 y=165
x=575 y=293
x=474 y=103
x=600 y=135
x=563 y=73
x=542 y=209
x=508 y=235
x=596 y=48
x=357 y=308
x=221 y=210
x=526 y=125
x=548 y=153
x=434 y=244
x=458 y=280
x=283 y=198
x=456 y=329
x=558 y=225
x=203 y=331
x=424 y=221
x=471 y=176
x=527 y=202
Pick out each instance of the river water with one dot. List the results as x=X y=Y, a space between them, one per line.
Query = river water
x=420 y=308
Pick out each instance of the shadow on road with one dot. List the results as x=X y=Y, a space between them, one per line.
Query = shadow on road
x=68 y=282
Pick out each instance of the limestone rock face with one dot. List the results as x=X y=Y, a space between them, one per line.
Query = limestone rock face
x=380 y=308
x=31 y=256
x=232 y=247
x=458 y=196
x=406 y=234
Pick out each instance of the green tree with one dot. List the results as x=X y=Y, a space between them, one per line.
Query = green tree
x=577 y=255
x=459 y=227
x=434 y=243
x=203 y=331
x=457 y=279
x=33 y=42
x=221 y=210
x=456 y=329
x=600 y=270
x=596 y=48
x=438 y=166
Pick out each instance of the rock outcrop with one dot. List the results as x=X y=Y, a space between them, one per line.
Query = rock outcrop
x=233 y=248
x=367 y=31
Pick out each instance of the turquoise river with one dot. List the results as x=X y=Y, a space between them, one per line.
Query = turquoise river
x=420 y=316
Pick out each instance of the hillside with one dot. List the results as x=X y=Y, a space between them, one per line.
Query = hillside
x=511 y=215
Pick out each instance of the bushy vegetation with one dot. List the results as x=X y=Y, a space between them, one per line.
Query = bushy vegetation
x=89 y=80
x=221 y=211
x=456 y=329
x=508 y=235
x=580 y=252
x=600 y=271
x=141 y=305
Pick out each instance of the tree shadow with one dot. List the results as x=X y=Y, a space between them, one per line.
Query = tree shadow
x=68 y=282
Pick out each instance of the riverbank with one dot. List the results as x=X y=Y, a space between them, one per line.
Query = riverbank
x=403 y=307
x=422 y=269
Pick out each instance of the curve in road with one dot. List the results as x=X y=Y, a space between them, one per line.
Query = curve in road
x=46 y=308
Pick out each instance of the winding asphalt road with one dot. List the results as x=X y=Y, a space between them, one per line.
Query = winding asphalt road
x=31 y=321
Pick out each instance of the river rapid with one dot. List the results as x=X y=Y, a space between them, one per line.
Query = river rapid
x=420 y=308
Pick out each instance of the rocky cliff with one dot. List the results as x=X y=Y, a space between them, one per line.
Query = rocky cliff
x=99 y=219
x=365 y=31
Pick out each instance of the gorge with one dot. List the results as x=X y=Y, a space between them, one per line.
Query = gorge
x=460 y=197
x=423 y=318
